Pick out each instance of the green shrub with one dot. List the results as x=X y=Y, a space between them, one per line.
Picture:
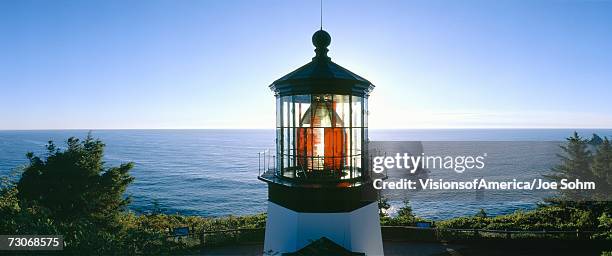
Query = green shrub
x=543 y=218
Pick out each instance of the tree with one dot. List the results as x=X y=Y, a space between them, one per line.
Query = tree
x=595 y=140
x=602 y=170
x=70 y=192
x=605 y=223
x=575 y=164
x=406 y=210
x=73 y=183
x=481 y=214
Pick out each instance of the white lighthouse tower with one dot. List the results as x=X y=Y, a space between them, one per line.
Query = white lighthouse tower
x=321 y=188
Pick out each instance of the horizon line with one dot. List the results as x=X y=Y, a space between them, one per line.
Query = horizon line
x=259 y=128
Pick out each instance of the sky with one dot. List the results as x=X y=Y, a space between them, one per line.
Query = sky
x=207 y=64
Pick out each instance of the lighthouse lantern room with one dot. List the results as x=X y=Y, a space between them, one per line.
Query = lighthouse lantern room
x=321 y=186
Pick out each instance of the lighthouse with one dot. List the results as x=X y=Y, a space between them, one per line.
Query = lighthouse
x=321 y=186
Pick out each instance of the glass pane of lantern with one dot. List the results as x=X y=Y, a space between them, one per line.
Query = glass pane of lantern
x=348 y=146
x=303 y=146
x=278 y=150
x=357 y=111
x=356 y=141
x=357 y=166
x=286 y=144
x=290 y=112
x=314 y=145
x=291 y=145
x=286 y=100
x=302 y=115
x=278 y=112
x=321 y=110
x=318 y=146
x=356 y=154
x=341 y=105
x=348 y=149
x=334 y=144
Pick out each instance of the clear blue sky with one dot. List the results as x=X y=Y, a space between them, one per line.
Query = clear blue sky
x=207 y=64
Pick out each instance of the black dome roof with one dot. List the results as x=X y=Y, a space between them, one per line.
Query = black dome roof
x=321 y=75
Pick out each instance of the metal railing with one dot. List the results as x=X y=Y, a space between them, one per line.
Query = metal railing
x=438 y=234
x=216 y=237
x=391 y=233
x=264 y=158
x=266 y=161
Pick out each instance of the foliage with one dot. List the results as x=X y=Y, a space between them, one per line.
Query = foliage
x=163 y=222
x=136 y=234
x=605 y=223
x=405 y=217
x=602 y=170
x=70 y=192
x=383 y=206
x=405 y=210
x=544 y=218
x=401 y=221
x=575 y=164
x=16 y=218
x=482 y=213
x=596 y=140
x=73 y=183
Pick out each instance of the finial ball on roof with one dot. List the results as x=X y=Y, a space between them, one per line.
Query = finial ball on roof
x=321 y=39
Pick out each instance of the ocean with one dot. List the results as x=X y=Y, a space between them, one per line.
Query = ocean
x=214 y=172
